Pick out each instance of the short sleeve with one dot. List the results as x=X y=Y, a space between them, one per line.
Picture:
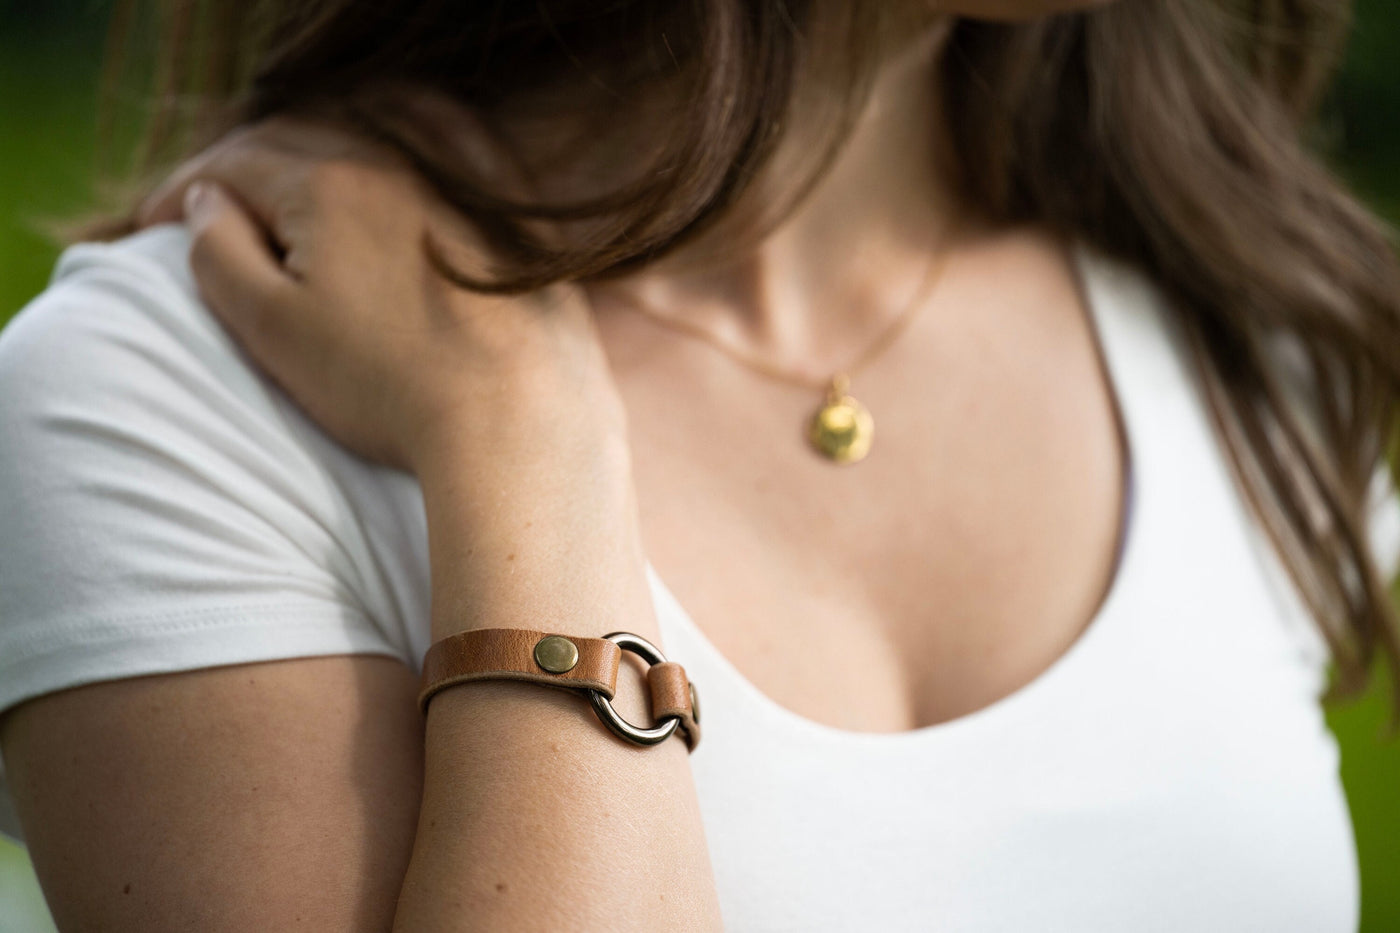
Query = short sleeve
x=160 y=509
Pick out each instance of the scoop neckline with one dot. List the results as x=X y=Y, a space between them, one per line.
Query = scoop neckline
x=1128 y=568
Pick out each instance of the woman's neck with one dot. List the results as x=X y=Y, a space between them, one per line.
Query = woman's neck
x=846 y=260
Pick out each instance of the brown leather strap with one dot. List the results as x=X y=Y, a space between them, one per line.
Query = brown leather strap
x=672 y=695
x=509 y=654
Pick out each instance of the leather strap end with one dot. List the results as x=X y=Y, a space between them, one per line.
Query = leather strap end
x=672 y=694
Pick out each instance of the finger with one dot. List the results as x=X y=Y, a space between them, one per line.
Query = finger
x=165 y=205
x=246 y=161
x=264 y=162
x=237 y=271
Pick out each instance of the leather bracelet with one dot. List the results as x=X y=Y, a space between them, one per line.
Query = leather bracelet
x=572 y=663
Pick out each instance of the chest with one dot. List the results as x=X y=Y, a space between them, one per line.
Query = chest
x=951 y=567
x=1178 y=748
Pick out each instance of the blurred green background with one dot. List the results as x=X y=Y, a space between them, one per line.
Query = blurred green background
x=50 y=52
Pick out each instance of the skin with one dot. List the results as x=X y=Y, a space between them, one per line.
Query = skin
x=1005 y=507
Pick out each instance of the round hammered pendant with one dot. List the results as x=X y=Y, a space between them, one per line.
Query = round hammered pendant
x=842 y=429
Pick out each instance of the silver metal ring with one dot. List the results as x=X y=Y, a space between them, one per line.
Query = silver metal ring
x=604 y=708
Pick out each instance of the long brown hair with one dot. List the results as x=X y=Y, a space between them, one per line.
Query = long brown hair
x=1164 y=132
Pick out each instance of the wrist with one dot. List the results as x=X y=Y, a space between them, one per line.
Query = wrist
x=530 y=416
x=534 y=545
x=506 y=447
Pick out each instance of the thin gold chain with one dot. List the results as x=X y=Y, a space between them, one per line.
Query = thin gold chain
x=923 y=294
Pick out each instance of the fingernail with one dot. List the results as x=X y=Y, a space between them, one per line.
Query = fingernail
x=196 y=198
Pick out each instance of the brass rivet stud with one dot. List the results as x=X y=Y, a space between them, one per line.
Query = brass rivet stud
x=694 y=704
x=556 y=654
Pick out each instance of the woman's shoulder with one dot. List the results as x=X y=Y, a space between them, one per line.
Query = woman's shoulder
x=118 y=361
x=107 y=307
x=163 y=249
x=165 y=507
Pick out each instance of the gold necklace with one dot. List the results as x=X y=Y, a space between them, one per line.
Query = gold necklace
x=842 y=428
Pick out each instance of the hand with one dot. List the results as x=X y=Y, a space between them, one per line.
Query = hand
x=309 y=246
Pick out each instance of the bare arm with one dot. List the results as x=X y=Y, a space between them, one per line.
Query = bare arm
x=255 y=797
x=285 y=794
x=535 y=817
x=307 y=792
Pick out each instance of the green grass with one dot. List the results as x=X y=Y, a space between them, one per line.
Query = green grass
x=47 y=133
x=1371 y=774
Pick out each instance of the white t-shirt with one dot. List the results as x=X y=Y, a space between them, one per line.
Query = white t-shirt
x=163 y=508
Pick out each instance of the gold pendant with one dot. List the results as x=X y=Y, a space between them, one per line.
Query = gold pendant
x=842 y=429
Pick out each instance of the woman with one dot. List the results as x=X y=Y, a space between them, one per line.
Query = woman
x=470 y=303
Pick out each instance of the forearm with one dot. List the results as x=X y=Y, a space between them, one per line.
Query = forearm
x=533 y=815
